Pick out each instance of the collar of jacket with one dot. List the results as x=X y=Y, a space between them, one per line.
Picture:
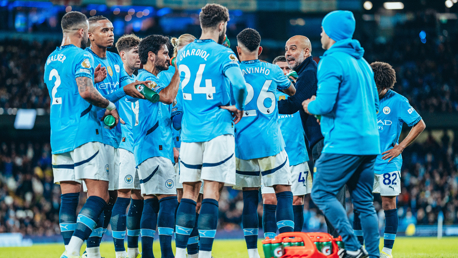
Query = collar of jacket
x=304 y=64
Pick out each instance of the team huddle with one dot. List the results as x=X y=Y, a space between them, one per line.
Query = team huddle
x=190 y=117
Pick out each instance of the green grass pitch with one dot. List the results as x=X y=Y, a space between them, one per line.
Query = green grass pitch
x=403 y=248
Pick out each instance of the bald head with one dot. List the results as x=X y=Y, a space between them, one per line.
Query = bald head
x=297 y=49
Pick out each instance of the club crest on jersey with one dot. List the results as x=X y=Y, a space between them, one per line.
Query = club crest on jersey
x=386 y=110
x=86 y=63
x=169 y=184
x=107 y=168
x=128 y=179
x=117 y=68
x=110 y=71
x=233 y=58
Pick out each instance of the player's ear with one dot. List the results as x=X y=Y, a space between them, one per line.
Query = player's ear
x=221 y=26
x=151 y=56
x=259 y=50
x=239 y=50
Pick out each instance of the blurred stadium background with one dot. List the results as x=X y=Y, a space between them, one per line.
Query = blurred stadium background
x=416 y=36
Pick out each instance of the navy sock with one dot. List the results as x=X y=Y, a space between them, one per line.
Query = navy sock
x=357 y=227
x=185 y=221
x=391 y=228
x=285 y=215
x=298 y=217
x=88 y=217
x=193 y=241
x=67 y=215
x=133 y=222
x=148 y=226
x=269 y=223
x=208 y=221
x=96 y=236
x=166 y=223
x=250 y=218
x=118 y=223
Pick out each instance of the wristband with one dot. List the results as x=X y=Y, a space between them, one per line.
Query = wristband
x=111 y=106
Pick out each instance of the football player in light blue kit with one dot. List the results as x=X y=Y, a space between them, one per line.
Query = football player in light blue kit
x=75 y=132
x=259 y=145
x=127 y=182
x=395 y=110
x=101 y=37
x=208 y=70
x=153 y=148
x=301 y=178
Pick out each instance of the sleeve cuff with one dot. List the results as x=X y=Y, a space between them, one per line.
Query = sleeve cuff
x=414 y=122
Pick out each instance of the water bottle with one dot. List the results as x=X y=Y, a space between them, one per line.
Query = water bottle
x=148 y=93
x=109 y=121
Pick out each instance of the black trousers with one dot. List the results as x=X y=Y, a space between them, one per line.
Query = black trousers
x=316 y=153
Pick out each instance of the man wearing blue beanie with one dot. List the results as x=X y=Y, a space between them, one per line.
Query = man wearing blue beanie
x=347 y=101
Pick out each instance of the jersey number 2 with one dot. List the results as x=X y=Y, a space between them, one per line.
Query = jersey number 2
x=52 y=74
x=263 y=95
x=208 y=90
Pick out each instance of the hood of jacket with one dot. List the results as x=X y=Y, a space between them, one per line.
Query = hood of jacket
x=349 y=46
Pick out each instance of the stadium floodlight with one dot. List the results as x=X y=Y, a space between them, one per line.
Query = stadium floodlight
x=393 y=5
x=448 y=3
x=367 y=5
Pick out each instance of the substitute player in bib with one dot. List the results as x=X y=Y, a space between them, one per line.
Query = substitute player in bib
x=259 y=144
x=395 y=110
x=301 y=178
x=101 y=37
x=177 y=113
x=127 y=181
x=153 y=148
x=76 y=133
x=207 y=147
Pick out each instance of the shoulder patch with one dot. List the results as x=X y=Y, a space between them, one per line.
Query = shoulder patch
x=86 y=63
x=233 y=58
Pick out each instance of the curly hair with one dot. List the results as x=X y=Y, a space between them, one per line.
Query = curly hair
x=384 y=75
x=127 y=42
x=279 y=59
x=212 y=14
x=152 y=43
x=249 y=38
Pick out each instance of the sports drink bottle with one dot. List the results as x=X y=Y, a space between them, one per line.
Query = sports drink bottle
x=149 y=94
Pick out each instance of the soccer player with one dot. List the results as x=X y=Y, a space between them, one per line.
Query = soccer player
x=127 y=182
x=301 y=178
x=395 y=110
x=259 y=145
x=153 y=148
x=347 y=102
x=207 y=146
x=177 y=113
x=75 y=132
x=101 y=37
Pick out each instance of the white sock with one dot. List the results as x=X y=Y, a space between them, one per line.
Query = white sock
x=180 y=253
x=193 y=255
x=132 y=252
x=74 y=246
x=93 y=252
x=354 y=253
x=121 y=254
x=204 y=254
x=253 y=253
x=387 y=250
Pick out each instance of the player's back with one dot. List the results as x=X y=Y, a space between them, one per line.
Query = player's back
x=202 y=64
x=258 y=134
x=72 y=121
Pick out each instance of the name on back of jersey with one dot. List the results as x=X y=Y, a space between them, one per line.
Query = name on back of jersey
x=195 y=52
x=250 y=70
x=59 y=57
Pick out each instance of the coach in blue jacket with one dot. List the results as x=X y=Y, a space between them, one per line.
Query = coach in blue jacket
x=347 y=100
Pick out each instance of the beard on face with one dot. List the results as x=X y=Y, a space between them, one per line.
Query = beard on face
x=161 y=66
x=85 y=43
x=221 y=37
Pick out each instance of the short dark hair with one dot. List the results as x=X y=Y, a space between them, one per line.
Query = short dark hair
x=127 y=42
x=249 y=38
x=212 y=14
x=97 y=18
x=384 y=75
x=72 y=19
x=152 y=43
x=279 y=59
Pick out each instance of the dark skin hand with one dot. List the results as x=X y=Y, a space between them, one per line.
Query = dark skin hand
x=399 y=148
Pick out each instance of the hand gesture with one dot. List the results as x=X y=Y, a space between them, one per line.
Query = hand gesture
x=393 y=153
x=100 y=73
x=306 y=103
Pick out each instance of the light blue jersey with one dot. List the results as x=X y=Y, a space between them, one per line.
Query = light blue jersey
x=116 y=78
x=165 y=77
x=293 y=134
x=153 y=133
x=205 y=87
x=127 y=114
x=257 y=133
x=72 y=121
x=394 y=111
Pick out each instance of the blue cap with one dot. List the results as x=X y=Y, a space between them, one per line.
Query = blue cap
x=339 y=25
